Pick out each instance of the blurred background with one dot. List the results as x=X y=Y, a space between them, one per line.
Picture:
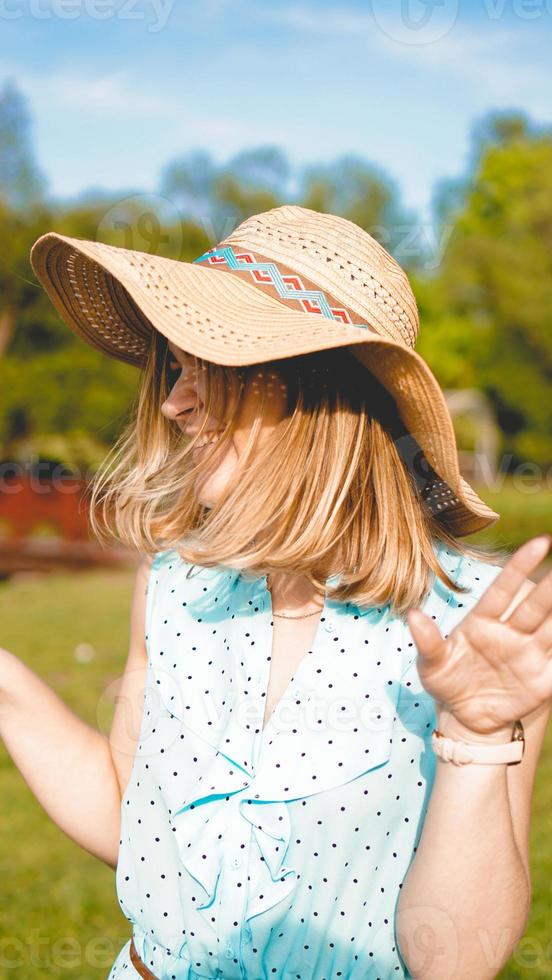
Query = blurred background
x=161 y=125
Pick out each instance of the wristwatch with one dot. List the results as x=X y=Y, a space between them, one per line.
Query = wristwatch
x=461 y=753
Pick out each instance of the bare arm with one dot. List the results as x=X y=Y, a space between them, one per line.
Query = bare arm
x=69 y=765
x=466 y=890
x=465 y=901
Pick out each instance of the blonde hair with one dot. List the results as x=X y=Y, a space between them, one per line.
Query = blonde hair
x=327 y=492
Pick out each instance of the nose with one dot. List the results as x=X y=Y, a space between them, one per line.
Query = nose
x=173 y=408
x=180 y=401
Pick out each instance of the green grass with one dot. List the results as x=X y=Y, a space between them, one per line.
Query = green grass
x=59 y=915
x=523 y=514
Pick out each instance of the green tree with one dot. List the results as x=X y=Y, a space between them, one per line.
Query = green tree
x=21 y=183
x=188 y=183
x=218 y=197
x=365 y=194
x=22 y=210
x=262 y=168
x=495 y=281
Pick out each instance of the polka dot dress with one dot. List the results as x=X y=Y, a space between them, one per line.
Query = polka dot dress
x=264 y=854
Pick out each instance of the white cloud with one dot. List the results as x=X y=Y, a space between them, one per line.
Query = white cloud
x=336 y=21
x=491 y=63
x=503 y=63
x=109 y=95
x=116 y=96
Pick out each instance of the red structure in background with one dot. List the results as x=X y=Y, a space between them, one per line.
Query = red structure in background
x=57 y=502
x=26 y=502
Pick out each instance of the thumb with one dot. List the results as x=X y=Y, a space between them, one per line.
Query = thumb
x=426 y=635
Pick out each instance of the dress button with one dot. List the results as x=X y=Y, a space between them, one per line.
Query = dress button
x=235 y=862
x=229 y=952
x=297 y=692
x=329 y=626
x=247 y=934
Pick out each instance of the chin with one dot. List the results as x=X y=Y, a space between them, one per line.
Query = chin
x=208 y=492
x=210 y=487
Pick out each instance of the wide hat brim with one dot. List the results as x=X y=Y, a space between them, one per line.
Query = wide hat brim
x=112 y=297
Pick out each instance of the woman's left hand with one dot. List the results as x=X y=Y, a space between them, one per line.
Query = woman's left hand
x=491 y=671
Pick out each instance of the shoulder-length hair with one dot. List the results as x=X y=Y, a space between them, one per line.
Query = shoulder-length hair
x=326 y=492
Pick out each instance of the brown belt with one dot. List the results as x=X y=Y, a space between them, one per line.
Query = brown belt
x=139 y=965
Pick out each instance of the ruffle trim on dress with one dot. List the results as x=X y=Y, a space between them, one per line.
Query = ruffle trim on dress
x=247 y=774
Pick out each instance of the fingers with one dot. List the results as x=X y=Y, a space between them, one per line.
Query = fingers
x=497 y=598
x=535 y=608
x=426 y=634
x=543 y=635
x=546 y=677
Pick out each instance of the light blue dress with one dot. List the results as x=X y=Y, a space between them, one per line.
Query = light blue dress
x=276 y=853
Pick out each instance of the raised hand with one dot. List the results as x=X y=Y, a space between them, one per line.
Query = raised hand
x=492 y=670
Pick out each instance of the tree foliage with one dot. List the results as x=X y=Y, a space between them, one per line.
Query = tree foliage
x=485 y=310
x=494 y=288
x=21 y=182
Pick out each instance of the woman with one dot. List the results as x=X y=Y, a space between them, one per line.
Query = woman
x=330 y=686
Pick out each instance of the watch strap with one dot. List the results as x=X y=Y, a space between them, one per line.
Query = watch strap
x=461 y=753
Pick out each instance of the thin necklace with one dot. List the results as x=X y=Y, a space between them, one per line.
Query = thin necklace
x=304 y=616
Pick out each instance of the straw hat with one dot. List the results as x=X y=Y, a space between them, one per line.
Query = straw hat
x=285 y=282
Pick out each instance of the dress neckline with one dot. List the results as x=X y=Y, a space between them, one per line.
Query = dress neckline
x=300 y=668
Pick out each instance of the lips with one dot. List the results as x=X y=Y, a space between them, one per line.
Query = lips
x=206 y=441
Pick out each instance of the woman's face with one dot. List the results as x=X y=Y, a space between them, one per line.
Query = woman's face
x=185 y=405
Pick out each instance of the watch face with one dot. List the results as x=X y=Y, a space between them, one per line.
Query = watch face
x=518 y=735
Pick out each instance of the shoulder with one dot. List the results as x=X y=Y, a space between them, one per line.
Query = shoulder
x=174 y=580
x=152 y=573
x=164 y=562
x=477 y=574
x=443 y=604
x=474 y=574
x=161 y=558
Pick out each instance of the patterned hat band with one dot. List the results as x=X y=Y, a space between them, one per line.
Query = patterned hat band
x=283 y=283
x=280 y=282
x=329 y=285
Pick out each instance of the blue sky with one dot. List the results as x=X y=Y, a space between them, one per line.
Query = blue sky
x=118 y=88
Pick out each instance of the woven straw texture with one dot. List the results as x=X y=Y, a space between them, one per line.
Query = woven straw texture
x=285 y=282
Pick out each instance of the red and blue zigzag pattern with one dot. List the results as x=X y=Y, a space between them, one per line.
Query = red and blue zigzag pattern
x=288 y=286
